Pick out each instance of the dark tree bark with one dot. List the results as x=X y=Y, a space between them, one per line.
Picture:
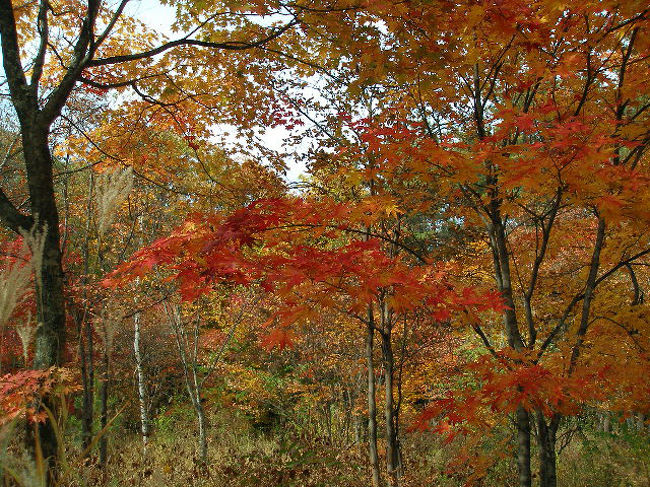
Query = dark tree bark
x=44 y=218
x=86 y=338
x=372 y=402
x=502 y=272
x=523 y=447
x=36 y=116
x=388 y=361
x=546 y=440
x=103 y=415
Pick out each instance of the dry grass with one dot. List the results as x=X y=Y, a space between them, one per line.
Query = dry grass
x=607 y=461
x=242 y=457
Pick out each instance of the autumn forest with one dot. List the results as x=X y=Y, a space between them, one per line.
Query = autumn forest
x=344 y=243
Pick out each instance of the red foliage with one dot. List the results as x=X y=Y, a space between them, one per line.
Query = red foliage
x=276 y=244
x=21 y=393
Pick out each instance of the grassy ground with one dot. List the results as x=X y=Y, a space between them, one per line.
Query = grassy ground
x=240 y=456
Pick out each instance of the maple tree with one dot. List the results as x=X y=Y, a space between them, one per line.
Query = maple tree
x=209 y=251
x=508 y=124
x=469 y=245
x=511 y=125
x=90 y=54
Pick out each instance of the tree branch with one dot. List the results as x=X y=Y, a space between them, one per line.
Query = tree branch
x=39 y=60
x=11 y=217
x=13 y=67
x=84 y=49
x=228 y=45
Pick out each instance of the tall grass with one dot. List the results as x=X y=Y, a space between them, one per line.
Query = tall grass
x=241 y=456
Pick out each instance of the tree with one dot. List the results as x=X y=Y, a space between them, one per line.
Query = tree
x=526 y=105
x=197 y=370
x=39 y=95
x=290 y=247
x=501 y=111
x=459 y=148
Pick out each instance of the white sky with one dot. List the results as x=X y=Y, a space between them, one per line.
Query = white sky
x=160 y=18
x=157 y=16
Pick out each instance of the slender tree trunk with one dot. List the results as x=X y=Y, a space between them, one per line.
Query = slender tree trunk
x=194 y=390
x=327 y=414
x=398 y=403
x=372 y=406
x=523 y=447
x=89 y=394
x=357 y=430
x=640 y=421
x=392 y=449
x=360 y=433
x=606 y=422
x=347 y=415
x=87 y=377
x=142 y=386
x=86 y=338
x=202 y=426
x=546 y=439
x=103 y=393
x=189 y=353
x=502 y=271
x=198 y=404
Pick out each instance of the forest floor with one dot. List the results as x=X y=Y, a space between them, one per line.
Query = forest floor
x=240 y=456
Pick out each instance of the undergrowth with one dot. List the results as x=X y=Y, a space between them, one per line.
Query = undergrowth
x=242 y=456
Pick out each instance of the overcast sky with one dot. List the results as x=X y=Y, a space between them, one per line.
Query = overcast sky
x=161 y=17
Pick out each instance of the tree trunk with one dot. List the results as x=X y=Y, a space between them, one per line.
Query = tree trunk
x=604 y=419
x=103 y=441
x=640 y=422
x=194 y=391
x=189 y=355
x=86 y=339
x=87 y=377
x=523 y=447
x=202 y=424
x=607 y=423
x=50 y=305
x=348 y=403
x=357 y=430
x=372 y=406
x=392 y=449
x=142 y=387
x=502 y=272
x=546 y=439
